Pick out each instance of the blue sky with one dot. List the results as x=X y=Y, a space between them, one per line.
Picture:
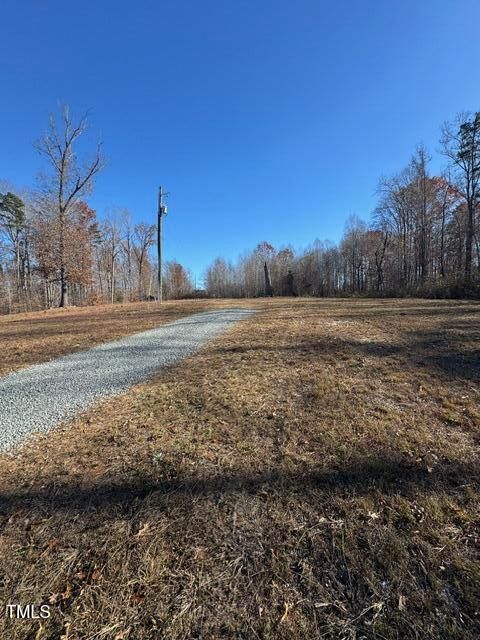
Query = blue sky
x=266 y=119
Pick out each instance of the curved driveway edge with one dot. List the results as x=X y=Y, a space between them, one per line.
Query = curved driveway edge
x=41 y=396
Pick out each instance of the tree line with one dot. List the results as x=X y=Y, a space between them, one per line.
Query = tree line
x=423 y=238
x=54 y=251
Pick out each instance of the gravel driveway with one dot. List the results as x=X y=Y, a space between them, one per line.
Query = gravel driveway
x=39 y=397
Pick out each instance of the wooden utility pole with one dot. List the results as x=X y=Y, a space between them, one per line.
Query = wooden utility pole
x=162 y=210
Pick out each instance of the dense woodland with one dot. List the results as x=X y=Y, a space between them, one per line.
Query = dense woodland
x=423 y=238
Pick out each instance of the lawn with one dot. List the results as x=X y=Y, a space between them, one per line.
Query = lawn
x=28 y=338
x=313 y=473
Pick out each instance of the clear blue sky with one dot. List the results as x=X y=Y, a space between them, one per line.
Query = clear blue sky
x=266 y=119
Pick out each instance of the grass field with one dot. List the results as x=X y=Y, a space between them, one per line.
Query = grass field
x=314 y=473
x=28 y=338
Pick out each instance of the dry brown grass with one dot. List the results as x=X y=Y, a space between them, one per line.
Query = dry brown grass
x=28 y=338
x=311 y=474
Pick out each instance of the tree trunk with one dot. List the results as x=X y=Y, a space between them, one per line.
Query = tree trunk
x=112 y=292
x=469 y=244
x=268 y=284
x=63 y=288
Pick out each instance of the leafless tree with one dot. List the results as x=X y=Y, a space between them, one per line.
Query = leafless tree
x=461 y=145
x=111 y=248
x=68 y=179
x=144 y=238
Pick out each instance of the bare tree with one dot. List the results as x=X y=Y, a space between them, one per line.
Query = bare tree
x=178 y=280
x=144 y=236
x=461 y=145
x=127 y=253
x=68 y=180
x=111 y=248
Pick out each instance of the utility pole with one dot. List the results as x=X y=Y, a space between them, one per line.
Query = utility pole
x=162 y=210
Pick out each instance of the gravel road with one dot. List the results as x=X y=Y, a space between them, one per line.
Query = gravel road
x=41 y=396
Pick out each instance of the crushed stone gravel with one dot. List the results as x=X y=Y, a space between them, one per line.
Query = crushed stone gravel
x=38 y=398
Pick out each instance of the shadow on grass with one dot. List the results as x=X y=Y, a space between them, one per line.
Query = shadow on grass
x=448 y=309
x=388 y=476
x=445 y=355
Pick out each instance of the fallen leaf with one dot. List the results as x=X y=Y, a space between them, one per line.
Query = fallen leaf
x=67 y=594
x=96 y=575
